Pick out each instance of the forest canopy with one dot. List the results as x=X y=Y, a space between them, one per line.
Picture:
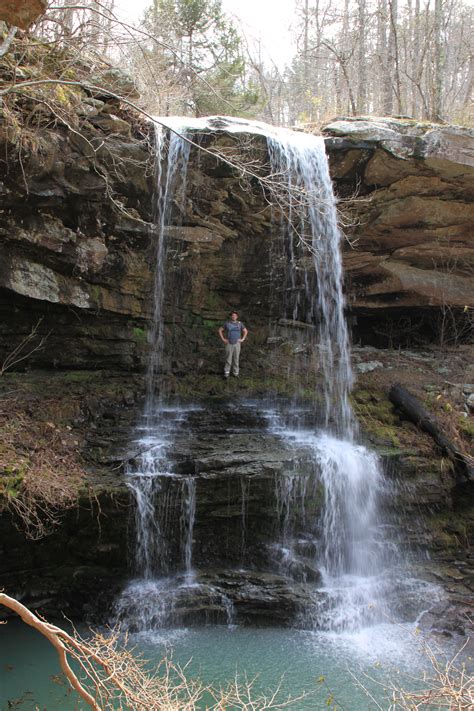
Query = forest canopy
x=408 y=58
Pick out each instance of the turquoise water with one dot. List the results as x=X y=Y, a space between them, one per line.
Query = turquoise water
x=30 y=675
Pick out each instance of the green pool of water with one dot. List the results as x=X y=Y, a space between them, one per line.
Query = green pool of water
x=30 y=675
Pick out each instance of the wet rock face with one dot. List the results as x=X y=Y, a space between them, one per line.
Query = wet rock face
x=249 y=513
x=252 y=495
x=255 y=537
x=215 y=596
x=78 y=568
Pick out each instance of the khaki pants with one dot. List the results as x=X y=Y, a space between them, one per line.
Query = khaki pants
x=232 y=354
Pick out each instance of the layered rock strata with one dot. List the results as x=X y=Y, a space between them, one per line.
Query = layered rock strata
x=76 y=183
x=78 y=250
x=409 y=189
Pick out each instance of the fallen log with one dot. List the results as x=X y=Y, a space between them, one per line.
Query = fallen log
x=414 y=411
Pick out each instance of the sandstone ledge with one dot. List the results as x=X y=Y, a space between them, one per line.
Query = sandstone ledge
x=408 y=190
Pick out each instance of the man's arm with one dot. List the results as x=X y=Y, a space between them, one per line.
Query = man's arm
x=244 y=334
x=221 y=334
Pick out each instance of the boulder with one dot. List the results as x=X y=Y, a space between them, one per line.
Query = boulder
x=470 y=402
x=114 y=81
x=111 y=124
x=369 y=366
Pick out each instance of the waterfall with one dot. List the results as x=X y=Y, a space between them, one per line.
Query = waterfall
x=171 y=151
x=352 y=484
x=147 y=479
x=145 y=489
x=301 y=177
x=351 y=475
x=188 y=514
x=165 y=504
x=348 y=550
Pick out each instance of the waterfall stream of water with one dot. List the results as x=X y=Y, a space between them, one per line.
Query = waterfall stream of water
x=300 y=169
x=351 y=475
x=349 y=546
x=162 y=499
x=171 y=167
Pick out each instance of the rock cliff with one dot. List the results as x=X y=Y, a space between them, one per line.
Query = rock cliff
x=409 y=190
x=78 y=246
x=77 y=265
x=22 y=13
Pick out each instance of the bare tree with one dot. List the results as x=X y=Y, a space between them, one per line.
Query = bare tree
x=362 y=56
x=382 y=57
x=111 y=674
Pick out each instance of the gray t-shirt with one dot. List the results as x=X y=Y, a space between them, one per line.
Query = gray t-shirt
x=233 y=330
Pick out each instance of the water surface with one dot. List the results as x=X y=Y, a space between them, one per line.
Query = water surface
x=30 y=674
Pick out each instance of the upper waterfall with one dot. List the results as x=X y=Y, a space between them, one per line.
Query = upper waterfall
x=299 y=185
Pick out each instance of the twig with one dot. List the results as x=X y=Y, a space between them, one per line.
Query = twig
x=5 y=46
x=16 y=356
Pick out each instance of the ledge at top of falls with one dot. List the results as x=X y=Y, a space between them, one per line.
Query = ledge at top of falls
x=401 y=137
x=232 y=125
x=407 y=138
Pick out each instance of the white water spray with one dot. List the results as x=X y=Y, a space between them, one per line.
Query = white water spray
x=301 y=175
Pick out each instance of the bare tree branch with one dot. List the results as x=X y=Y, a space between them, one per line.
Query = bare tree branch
x=5 y=46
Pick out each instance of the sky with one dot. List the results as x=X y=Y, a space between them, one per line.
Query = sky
x=267 y=21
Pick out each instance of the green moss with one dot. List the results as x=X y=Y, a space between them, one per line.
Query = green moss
x=387 y=451
x=204 y=386
x=374 y=405
x=385 y=434
x=10 y=483
x=466 y=425
x=450 y=532
x=16 y=469
x=95 y=292
x=445 y=540
x=214 y=302
x=65 y=94
x=139 y=335
x=377 y=417
x=77 y=376
x=362 y=396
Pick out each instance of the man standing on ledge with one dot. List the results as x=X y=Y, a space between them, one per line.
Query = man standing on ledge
x=232 y=333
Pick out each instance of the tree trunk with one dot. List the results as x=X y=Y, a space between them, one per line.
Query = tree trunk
x=414 y=411
x=438 y=63
x=415 y=59
x=389 y=57
x=393 y=5
x=362 y=58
